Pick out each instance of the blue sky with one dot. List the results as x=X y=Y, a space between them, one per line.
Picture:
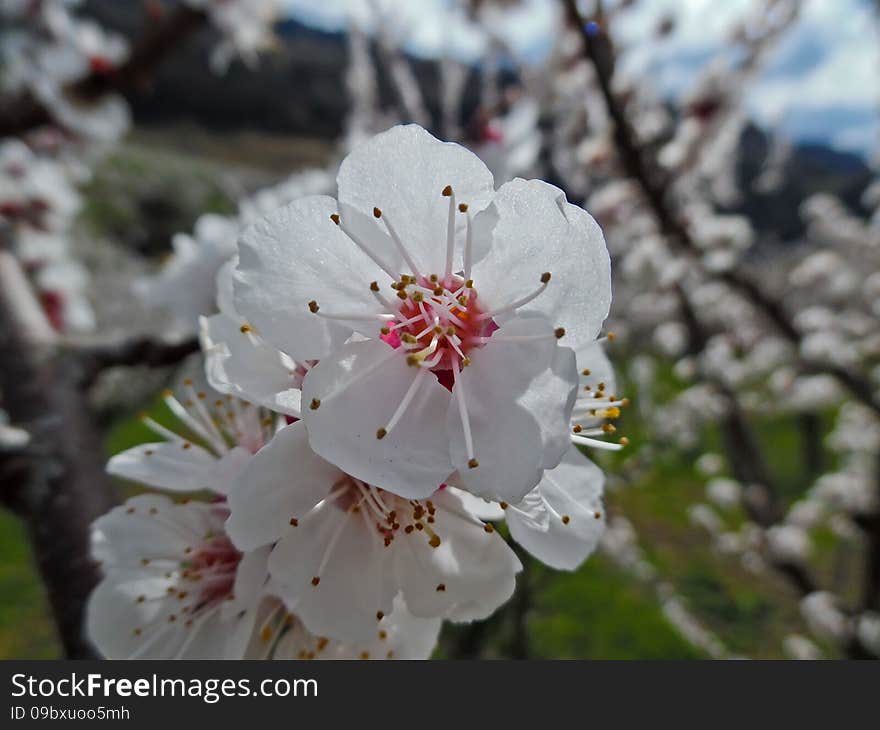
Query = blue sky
x=821 y=83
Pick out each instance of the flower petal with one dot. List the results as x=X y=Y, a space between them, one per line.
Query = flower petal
x=470 y=574
x=283 y=481
x=166 y=465
x=403 y=172
x=359 y=388
x=572 y=495
x=534 y=230
x=295 y=256
x=519 y=394
x=330 y=571
x=241 y=364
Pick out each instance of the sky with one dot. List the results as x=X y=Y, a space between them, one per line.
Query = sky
x=821 y=82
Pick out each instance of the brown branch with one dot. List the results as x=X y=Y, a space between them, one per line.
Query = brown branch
x=143 y=351
x=57 y=485
x=25 y=112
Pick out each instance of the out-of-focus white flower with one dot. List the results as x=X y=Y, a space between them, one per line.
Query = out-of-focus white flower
x=868 y=630
x=726 y=493
x=478 y=293
x=824 y=617
x=788 y=543
x=246 y=26
x=710 y=464
x=11 y=438
x=800 y=648
x=512 y=142
x=706 y=517
x=186 y=286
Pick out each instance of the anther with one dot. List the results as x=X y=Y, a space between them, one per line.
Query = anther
x=462 y=207
x=315 y=404
x=294 y=522
x=469 y=284
x=447 y=191
x=473 y=464
x=433 y=278
x=597 y=515
x=488 y=528
x=374 y=286
x=381 y=433
x=503 y=505
x=545 y=277
x=441 y=587
x=401 y=295
x=586 y=371
x=434 y=542
x=316 y=580
x=313 y=306
x=559 y=332
x=624 y=441
x=379 y=615
x=377 y=213
x=565 y=519
x=577 y=429
x=245 y=329
x=611 y=336
x=385 y=330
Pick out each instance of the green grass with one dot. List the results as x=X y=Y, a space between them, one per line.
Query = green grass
x=26 y=629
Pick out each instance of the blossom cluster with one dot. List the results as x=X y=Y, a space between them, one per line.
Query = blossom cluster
x=389 y=374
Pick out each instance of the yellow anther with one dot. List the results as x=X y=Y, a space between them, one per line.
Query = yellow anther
x=245 y=329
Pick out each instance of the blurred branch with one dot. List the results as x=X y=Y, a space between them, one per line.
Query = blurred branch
x=57 y=484
x=25 y=112
x=143 y=351
x=640 y=166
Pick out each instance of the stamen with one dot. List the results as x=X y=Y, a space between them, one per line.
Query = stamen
x=450 y=231
x=468 y=246
x=397 y=242
x=458 y=389
x=596 y=443
x=545 y=280
x=404 y=404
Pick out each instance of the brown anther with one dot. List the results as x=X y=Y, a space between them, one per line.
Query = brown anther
x=374 y=286
x=433 y=278
x=379 y=615
x=316 y=580
x=438 y=291
x=130 y=511
x=503 y=505
x=381 y=433
x=418 y=296
x=488 y=528
x=187 y=381
x=559 y=332
x=577 y=429
x=469 y=284
x=462 y=207
x=408 y=529
x=465 y=362
x=609 y=428
x=545 y=277
x=365 y=655
x=434 y=542
x=611 y=336
x=141 y=599
x=565 y=519
x=172 y=618
x=294 y=522
x=412 y=360
x=419 y=526
x=401 y=295
x=383 y=635
x=186 y=445
x=149 y=452
x=441 y=587
x=315 y=404
x=313 y=306
x=586 y=371
x=335 y=218
x=266 y=633
x=385 y=330
x=447 y=191
x=430 y=519
x=597 y=515
x=377 y=213
x=473 y=463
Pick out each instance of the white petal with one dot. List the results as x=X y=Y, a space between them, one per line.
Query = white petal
x=242 y=364
x=284 y=480
x=166 y=465
x=403 y=172
x=251 y=578
x=295 y=256
x=572 y=490
x=412 y=460
x=538 y=231
x=342 y=551
x=519 y=395
x=477 y=506
x=592 y=357
x=467 y=577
